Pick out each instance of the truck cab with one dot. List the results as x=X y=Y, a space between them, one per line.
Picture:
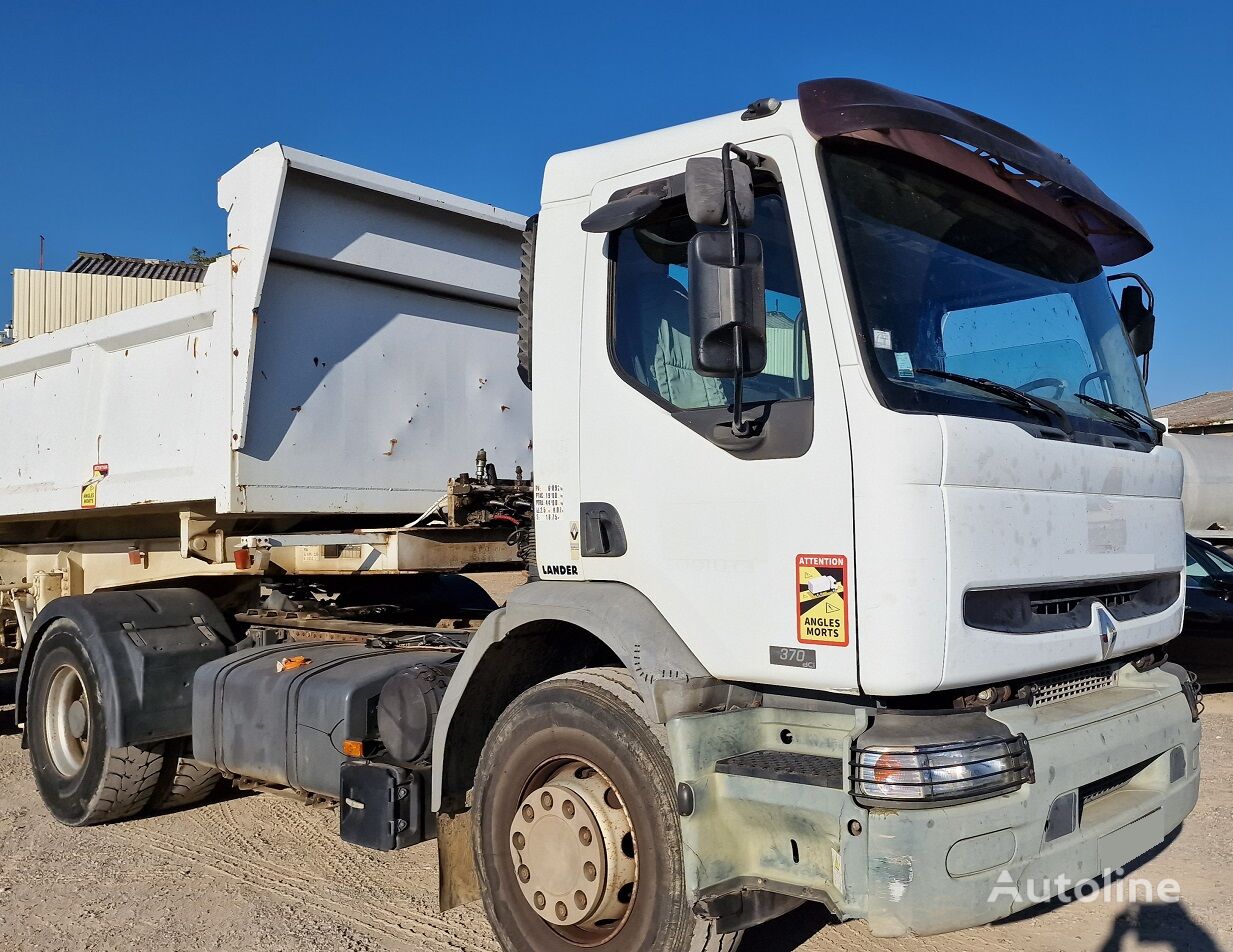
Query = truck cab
x=917 y=544
x=896 y=265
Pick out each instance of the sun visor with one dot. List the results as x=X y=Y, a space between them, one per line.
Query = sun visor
x=1005 y=159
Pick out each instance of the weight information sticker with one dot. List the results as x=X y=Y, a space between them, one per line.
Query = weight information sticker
x=822 y=599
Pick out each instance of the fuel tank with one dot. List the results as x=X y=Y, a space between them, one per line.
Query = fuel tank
x=280 y=714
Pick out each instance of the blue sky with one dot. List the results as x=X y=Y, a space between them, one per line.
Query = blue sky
x=116 y=118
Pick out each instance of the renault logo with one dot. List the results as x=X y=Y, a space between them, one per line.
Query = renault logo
x=1108 y=632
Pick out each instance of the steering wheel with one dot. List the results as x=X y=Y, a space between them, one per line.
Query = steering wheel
x=1094 y=375
x=1059 y=386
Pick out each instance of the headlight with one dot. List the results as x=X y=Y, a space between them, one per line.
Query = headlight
x=942 y=772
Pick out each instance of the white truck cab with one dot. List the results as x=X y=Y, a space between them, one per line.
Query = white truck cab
x=933 y=556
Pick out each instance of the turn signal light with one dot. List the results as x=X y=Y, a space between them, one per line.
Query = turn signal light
x=938 y=773
x=353 y=748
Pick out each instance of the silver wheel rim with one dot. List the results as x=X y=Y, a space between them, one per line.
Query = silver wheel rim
x=66 y=722
x=575 y=857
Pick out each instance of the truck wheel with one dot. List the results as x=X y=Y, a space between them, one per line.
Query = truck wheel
x=576 y=835
x=80 y=778
x=183 y=781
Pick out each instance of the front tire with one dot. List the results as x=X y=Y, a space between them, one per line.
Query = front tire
x=81 y=780
x=576 y=835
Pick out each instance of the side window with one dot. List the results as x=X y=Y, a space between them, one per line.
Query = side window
x=650 y=317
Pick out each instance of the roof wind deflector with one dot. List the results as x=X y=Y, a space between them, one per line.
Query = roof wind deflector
x=835 y=107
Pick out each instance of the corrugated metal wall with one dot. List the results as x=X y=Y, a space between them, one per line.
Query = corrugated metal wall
x=47 y=300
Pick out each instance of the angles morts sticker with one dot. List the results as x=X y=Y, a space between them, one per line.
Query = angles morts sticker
x=822 y=599
x=89 y=492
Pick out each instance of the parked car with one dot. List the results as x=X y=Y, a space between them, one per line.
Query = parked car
x=1205 y=645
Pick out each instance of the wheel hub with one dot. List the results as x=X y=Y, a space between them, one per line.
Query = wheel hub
x=66 y=725
x=573 y=851
x=77 y=720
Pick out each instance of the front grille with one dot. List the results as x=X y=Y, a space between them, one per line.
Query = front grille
x=1063 y=603
x=1064 y=687
x=1066 y=607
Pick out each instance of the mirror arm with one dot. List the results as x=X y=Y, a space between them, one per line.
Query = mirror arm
x=739 y=427
x=730 y=209
x=1131 y=276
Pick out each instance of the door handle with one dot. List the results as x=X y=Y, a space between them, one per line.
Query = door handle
x=603 y=535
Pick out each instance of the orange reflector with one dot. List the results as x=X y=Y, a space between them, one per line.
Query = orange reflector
x=353 y=748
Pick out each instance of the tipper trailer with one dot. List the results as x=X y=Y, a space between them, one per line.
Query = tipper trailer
x=852 y=544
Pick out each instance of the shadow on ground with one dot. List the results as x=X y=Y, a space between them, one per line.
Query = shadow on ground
x=1166 y=924
x=789 y=931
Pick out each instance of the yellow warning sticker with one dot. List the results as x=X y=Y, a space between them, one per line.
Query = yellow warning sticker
x=89 y=492
x=822 y=599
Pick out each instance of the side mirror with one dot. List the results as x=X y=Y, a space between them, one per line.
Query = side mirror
x=1138 y=319
x=727 y=304
x=704 y=192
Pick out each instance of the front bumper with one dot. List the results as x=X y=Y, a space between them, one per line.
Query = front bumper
x=1130 y=751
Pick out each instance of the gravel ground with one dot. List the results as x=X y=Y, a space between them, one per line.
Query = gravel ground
x=257 y=872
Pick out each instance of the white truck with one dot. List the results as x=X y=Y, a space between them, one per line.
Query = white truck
x=852 y=544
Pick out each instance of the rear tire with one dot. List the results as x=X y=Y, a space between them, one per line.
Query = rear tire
x=184 y=782
x=575 y=761
x=80 y=778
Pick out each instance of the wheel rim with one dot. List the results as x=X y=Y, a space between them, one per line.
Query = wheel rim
x=574 y=852
x=66 y=723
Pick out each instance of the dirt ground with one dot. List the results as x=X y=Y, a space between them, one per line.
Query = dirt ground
x=257 y=872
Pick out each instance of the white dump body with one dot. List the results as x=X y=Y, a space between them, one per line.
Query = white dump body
x=354 y=349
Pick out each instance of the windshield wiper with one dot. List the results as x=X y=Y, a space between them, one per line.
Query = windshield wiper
x=1130 y=416
x=1026 y=401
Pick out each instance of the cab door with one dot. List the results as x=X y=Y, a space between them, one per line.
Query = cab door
x=744 y=545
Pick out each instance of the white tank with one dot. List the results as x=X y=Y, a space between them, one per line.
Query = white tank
x=1207 y=487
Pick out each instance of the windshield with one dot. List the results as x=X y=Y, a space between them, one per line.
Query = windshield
x=949 y=276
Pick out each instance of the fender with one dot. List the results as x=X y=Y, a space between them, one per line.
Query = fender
x=629 y=629
x=146 y=646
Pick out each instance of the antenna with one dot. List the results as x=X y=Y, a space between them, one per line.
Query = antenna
x=42 y=245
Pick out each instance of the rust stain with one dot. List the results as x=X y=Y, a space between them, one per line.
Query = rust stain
x=390 y=451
